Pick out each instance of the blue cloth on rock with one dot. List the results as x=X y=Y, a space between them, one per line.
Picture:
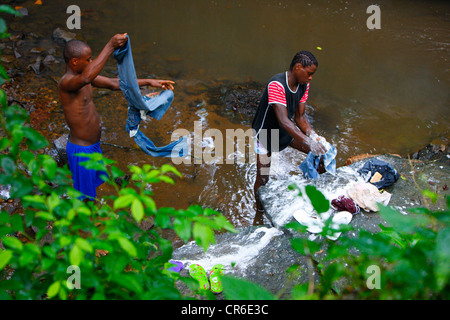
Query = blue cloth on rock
x=311 y=163
x=153 y=107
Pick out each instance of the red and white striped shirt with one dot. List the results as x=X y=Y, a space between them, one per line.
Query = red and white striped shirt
x=278 y=95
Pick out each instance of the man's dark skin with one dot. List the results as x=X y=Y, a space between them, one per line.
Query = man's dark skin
x=76 y=94
x=300 y=131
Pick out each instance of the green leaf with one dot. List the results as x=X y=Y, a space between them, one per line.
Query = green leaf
x=26 y=156
x=116 y=172
x=129 y=282
x=13 y=243
x=442 y=258
x=8 y=165
x=149 y=203
x=54 y=288
x=7 y=9
x=318 y=200
x=76 y=255
x=431 y=195
x=162 y=220
x=35 y=140
x=4 y=143
x=304 y=246
x=128 y=246
x=3 y=26
x=182 y=227
x=203 y=235
x=168 y=168
x=17 y=222
x=20 y=186
x=167 y=179
x=3 y=99
x=45 y=215
x=5 y=256
x=137 y=210
x=123 y=201
x=49 y=166
x=84 y=245
x=223 y=223
x=3 y=73
x=4 y=217
x=395 y=236
x=295 y=187
x=53 y=201
x=239 y=289
x=402 y=223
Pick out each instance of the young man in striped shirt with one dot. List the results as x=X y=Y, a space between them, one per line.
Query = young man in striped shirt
x=280 y=119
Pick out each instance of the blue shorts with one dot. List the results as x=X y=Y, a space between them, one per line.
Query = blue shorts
x=84 y=180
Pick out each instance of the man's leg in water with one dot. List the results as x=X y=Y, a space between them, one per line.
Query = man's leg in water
x=262 y=177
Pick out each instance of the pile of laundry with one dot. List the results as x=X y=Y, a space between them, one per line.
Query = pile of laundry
x=377 y=175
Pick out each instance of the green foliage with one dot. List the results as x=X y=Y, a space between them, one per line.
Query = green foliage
x=135 y=264
x=412 y=255
x=239 y=289
x=72 y=232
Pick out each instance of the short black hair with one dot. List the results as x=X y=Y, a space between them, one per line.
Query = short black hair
x=73 y=49
x=305 y=58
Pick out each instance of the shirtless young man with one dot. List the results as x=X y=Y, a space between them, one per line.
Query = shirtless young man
x=76 y=96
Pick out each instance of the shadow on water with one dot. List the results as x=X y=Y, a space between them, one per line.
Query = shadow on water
x=376 y=91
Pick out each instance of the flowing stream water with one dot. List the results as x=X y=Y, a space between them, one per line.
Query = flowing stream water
x=376 y=91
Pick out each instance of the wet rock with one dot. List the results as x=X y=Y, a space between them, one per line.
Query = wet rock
x=37 y=50
x=263 y=254
x=17 y=37
x=49 y=59
x=14 y=73
x=437 y=150
x=23 y=11
x=4 y=193
x=240 y=101
x=7 y=58
x=17 y=54
x=280 y=203
x=60 y=147
x=38 y=67
x=61 y=36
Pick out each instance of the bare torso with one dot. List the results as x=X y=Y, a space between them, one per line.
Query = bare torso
x=81 y=115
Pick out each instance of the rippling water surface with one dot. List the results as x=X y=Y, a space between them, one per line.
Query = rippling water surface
x=375 y=91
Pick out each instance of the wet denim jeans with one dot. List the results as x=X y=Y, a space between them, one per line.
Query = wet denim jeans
x=154 y=107
x=311 y=163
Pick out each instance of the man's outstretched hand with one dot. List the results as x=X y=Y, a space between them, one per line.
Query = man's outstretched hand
x=118 y=40
x=165 y=84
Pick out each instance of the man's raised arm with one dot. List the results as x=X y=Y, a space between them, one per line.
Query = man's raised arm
x=93 y=69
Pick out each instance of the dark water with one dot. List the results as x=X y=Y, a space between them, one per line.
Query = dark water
x=376 y=91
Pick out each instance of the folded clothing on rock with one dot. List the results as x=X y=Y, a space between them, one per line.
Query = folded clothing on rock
x=342 y=203
x=380 y=173
x=366 y=196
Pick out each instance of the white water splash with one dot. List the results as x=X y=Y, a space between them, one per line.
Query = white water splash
x=240 y=255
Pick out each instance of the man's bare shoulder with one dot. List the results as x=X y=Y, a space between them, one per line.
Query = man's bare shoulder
x=62 y=83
